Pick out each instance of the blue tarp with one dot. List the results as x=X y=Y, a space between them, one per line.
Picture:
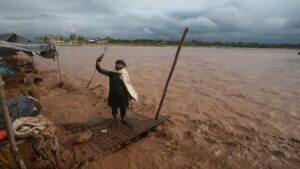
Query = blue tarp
x=21 y=106
x=6 y=70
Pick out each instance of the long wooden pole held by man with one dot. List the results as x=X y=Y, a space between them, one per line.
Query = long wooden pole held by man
x=9 y=128
x=101 y=56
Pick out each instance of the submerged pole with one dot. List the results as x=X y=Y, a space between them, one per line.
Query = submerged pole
x=11 y=136
x=58 y=65
x=61 y=82
x=171 y=72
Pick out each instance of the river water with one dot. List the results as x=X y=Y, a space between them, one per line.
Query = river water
x=231 y=107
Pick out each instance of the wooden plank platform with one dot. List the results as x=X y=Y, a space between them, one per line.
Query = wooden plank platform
x=105 y=139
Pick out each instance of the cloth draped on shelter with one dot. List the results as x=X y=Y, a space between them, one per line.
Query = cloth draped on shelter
x=21 y=106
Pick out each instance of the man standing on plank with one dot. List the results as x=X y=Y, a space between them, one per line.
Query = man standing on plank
x=120 y=89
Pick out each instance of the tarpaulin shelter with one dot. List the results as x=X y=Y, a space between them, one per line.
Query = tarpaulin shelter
x=11 y=43
x=16 y=42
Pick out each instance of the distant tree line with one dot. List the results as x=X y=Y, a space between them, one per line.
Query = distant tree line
x=77 y=39
x=73 y=38
x=244 y=44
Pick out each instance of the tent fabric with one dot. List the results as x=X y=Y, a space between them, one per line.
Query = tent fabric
x=21 y=106
x=29 y=47
x=15 y=42
x=12 y=37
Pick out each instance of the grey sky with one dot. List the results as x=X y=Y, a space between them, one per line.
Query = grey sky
x=271 y=21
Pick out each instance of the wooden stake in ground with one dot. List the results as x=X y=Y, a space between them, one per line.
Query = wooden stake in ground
x=171 y=72
x=9 y=128
x=102 y=55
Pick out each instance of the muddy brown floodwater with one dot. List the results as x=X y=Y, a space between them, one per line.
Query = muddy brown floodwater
x=231 y=107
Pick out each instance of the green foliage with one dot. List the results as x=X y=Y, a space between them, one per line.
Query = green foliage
x=73 y=38
x=61 y=38
x=81 y=39
x=46 y=39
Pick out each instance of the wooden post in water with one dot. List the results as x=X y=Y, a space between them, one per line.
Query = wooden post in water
x=58 y=65
x=9 y=128
x=61 y=82
x=171 y=72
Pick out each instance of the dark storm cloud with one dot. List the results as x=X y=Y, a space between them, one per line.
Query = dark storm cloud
x=218 y=20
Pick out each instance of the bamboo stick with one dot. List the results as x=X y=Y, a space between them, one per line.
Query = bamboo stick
x=171 y=72
x=61 y=82
x=11 y=137
x=87 y=86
